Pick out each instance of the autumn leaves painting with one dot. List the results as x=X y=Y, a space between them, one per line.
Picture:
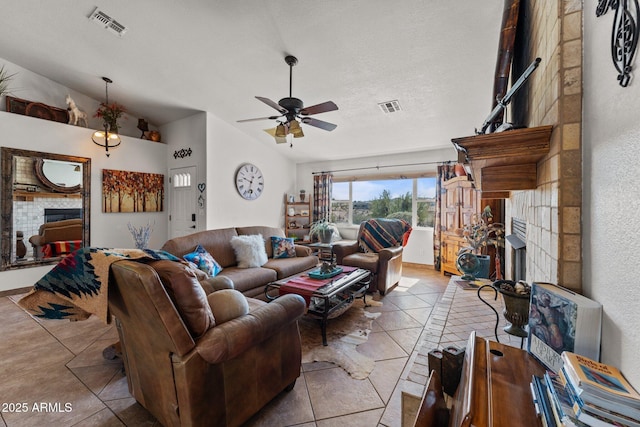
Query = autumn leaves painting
x=124 y=191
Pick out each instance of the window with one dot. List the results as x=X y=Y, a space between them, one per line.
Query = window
x=411 y=199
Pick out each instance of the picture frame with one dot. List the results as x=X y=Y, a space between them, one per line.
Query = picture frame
x=304 y=212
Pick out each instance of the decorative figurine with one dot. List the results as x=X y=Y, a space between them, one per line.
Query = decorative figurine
x=75 y=114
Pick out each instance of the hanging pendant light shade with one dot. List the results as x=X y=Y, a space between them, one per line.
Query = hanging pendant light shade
x=281 y=130
x=295 y=129
x=106 y=138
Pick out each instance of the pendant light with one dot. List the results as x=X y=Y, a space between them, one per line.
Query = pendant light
x=105 y=138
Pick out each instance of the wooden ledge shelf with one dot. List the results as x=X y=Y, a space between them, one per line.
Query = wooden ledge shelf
x=504 y=161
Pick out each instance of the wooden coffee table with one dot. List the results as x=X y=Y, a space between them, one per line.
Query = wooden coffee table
x=326 y=298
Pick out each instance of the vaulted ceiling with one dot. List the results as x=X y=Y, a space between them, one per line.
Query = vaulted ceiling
x=436 y=57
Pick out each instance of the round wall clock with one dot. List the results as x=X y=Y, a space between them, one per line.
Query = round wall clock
x=249 y=181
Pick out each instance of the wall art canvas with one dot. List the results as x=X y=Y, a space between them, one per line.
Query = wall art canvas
x=125 y=191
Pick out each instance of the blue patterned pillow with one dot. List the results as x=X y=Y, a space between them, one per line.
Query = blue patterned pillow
x=204 y=261
x=283 y=247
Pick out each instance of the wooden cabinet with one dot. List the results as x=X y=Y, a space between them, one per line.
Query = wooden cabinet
x=460 y=201
x=297 y=219
x=493 y=390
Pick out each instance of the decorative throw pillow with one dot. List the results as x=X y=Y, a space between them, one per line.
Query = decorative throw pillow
x=204 y=261
x=227 y=304
x=250 y=250
x=283 y=247
x=187 y=294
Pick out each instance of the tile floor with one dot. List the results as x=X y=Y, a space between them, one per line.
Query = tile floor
x=54 y=372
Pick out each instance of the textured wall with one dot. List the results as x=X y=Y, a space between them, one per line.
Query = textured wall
x=553 y=32
x=611 y=243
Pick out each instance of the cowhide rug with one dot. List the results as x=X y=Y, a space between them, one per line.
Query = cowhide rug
x=344 y=334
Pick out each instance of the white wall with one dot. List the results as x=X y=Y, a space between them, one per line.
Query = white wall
x=611 y=201
x=107 y=229
x=227 y=149
x=419 y=249
x=184 y=134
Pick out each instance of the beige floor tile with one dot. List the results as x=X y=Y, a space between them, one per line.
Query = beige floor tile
x=380 y=346
x=287 y=409
x=55 y=387
x=104 y=418
x=392 y=320
x=76 y=336
x=334 y=393
x=96 y=378
x=117 y=388
x=92 y=355
x=421 y=315
x=360 y=419
x=406 y=338
x=132 y=413
x=385 y=375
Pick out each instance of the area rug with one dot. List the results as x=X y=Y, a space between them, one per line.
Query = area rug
x=344 y=334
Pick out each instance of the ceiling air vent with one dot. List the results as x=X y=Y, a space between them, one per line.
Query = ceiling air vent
x=105 y=21
x=390 y=106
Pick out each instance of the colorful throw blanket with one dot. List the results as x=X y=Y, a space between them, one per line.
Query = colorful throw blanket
x=78 y=286
x=380 y=233
x=60 y=248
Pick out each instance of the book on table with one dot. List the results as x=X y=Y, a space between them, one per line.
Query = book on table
x=543 y=403
x=575 y=412
x=562 y=320
x=591 y=378
x=594 y=414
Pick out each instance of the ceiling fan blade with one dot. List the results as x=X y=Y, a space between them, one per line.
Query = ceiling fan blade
x=258 y=118
x=319 y=108
x=272 y=104
x=319 y=123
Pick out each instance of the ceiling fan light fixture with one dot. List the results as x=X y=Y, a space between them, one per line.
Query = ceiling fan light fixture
x=281 y=131
x=295 y=129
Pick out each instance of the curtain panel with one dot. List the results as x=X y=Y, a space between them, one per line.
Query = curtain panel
x=322 y=184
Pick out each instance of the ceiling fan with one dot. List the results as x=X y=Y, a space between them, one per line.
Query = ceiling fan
x=293 y=112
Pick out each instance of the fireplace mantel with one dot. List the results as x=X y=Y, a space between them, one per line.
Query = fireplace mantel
x=504 y=161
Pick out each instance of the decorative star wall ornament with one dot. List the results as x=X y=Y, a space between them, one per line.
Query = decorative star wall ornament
x=624 y=35
x=182 y=153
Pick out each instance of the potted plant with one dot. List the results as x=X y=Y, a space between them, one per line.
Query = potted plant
x=480 y=233
x=5 y=78
x=110 y=113
x=323 y=230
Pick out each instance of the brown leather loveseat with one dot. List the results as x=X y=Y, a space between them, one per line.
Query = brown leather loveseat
x=58 y=231
x=190 y=368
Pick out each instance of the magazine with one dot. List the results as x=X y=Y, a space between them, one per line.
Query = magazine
x=562 y=320
x=586 y=411
x=599 y=379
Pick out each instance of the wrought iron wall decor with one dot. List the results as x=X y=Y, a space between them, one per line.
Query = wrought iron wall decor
x=624 y=35
x=182 y=153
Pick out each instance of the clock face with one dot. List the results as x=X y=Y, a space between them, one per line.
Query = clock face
x=249 y=181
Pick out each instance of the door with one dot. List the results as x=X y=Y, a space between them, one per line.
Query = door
x=182 y=194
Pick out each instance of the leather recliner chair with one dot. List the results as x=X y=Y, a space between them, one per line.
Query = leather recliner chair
x=183 y=367
x=385 y=265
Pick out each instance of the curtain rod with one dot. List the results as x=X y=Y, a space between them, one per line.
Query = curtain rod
x=385 y=166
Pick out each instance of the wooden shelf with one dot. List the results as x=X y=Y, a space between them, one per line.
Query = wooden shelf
x=504 y=161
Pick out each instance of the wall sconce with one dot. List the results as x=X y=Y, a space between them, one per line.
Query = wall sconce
x=106 y=138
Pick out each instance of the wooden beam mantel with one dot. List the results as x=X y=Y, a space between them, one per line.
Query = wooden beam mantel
x=504 y=161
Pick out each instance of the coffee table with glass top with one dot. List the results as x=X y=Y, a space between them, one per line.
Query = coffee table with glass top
x=326 y=298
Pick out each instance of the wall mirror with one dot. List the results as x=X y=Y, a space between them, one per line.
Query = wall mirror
x=45 y=206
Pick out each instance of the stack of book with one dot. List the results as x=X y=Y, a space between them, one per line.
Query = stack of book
x=586 y=393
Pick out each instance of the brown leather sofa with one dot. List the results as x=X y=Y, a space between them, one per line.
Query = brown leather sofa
x=184 y=367
x=65 y=230
x=249 y=281
x=385 y=266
